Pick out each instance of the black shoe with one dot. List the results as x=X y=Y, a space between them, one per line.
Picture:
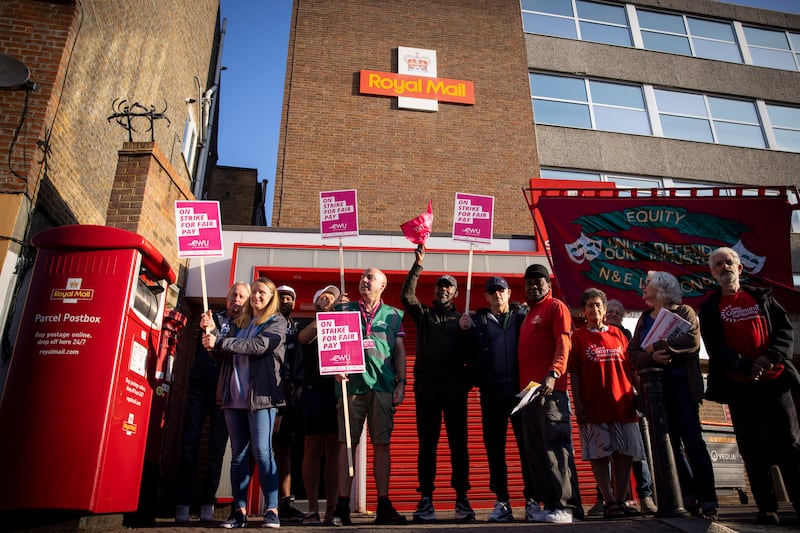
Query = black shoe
x=235 y=521
x=768 y=518
x=287 y=512
x=387 y=515
x=693 y=507
x=341 y=515
x=710 y=513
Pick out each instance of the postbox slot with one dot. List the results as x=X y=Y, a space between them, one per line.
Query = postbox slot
x=145 y=302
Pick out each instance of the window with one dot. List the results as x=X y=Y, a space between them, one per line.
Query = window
x=785 y=123
x=698 y=117
x=773 y=48
x=622 y=181
x=189 y=144
x=581 y=19
x=591 y=104
x=622 y=108
x=681 y=34
x=675 y=33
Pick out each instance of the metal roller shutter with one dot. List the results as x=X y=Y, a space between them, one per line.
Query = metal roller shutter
x=404 y=446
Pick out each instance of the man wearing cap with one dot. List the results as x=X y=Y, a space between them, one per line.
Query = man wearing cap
x=286 y=423
x=544 y=345
x=318 y=417
x=441 y=385
x=495 y=333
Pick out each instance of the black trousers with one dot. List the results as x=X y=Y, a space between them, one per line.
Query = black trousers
x=201 y=402
x=495 y=415
x=547 y=435
x=767 y=433
x=435 y=401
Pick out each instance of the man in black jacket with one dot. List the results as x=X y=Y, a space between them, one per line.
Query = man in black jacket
x=441 y=385
x=494 y=333
x=749 y=341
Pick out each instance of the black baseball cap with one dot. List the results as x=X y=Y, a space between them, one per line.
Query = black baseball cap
x=536 y=270
x=450 y=280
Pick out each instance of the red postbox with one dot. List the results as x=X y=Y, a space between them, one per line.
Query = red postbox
x=75 y=407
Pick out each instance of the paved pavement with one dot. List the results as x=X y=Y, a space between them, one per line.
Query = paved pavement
x=733 y=518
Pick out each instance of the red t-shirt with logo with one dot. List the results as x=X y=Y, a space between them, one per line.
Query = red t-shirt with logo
x=600 y=359
x=544 y=342
x=745 y=329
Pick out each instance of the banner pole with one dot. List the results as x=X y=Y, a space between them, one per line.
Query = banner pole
x=348 y=438
x=469 y=276
x=341 y=266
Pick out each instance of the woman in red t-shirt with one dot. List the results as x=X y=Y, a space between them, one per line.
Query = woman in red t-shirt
x=604 y=409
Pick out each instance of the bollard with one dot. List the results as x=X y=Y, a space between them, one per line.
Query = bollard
x=644 y=428
x=665 y=475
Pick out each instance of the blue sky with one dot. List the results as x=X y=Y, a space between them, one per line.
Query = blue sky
x=251 y=92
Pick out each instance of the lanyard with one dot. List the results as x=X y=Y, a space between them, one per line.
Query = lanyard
x=368 y=316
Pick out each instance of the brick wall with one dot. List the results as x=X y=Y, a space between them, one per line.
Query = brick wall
x=34 y=33
x=84 y=56
x=143 y=198
x=238 y=191
x=335 y=138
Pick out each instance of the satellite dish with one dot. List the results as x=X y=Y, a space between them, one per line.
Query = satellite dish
x=13 y=72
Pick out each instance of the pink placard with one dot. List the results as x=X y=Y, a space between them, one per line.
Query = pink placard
x=338 y=213
x=199 y=228
x=340 y=343
x=473 y=218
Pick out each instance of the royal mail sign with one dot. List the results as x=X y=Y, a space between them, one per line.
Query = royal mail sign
x=416 y=84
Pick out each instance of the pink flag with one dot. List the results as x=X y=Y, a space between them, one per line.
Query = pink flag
x=418 y=229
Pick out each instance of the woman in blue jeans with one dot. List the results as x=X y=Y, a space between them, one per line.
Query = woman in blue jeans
x=679 y=357
x=249 y=393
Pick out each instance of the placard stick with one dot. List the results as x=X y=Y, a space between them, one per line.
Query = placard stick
x=341 y=267
x=348 y=439
x=203 y=288
x=469 y=276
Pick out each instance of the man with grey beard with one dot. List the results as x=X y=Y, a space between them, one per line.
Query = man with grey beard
x=749 y=341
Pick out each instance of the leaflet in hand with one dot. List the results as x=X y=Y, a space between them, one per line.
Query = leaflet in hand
x=666 y=326
x=531 y=391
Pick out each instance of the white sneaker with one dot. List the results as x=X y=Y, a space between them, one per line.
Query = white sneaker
x=182 y=514
x=501 y=513
x=559 y=516
x=207 y=512
x=534 y=513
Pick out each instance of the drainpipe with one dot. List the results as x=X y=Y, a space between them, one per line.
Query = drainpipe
x=208 y=107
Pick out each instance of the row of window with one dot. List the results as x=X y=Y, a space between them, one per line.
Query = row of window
x=628 y=25
x=646 y=110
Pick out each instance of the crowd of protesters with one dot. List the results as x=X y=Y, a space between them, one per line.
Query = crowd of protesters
x=271 y=394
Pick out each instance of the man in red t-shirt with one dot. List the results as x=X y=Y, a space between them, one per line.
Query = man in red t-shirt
x=544 y=344
x=749 y=341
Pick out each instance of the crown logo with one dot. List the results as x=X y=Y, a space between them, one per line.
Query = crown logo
x=416 y=63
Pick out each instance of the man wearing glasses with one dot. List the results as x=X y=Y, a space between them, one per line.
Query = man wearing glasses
x=495 y=330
